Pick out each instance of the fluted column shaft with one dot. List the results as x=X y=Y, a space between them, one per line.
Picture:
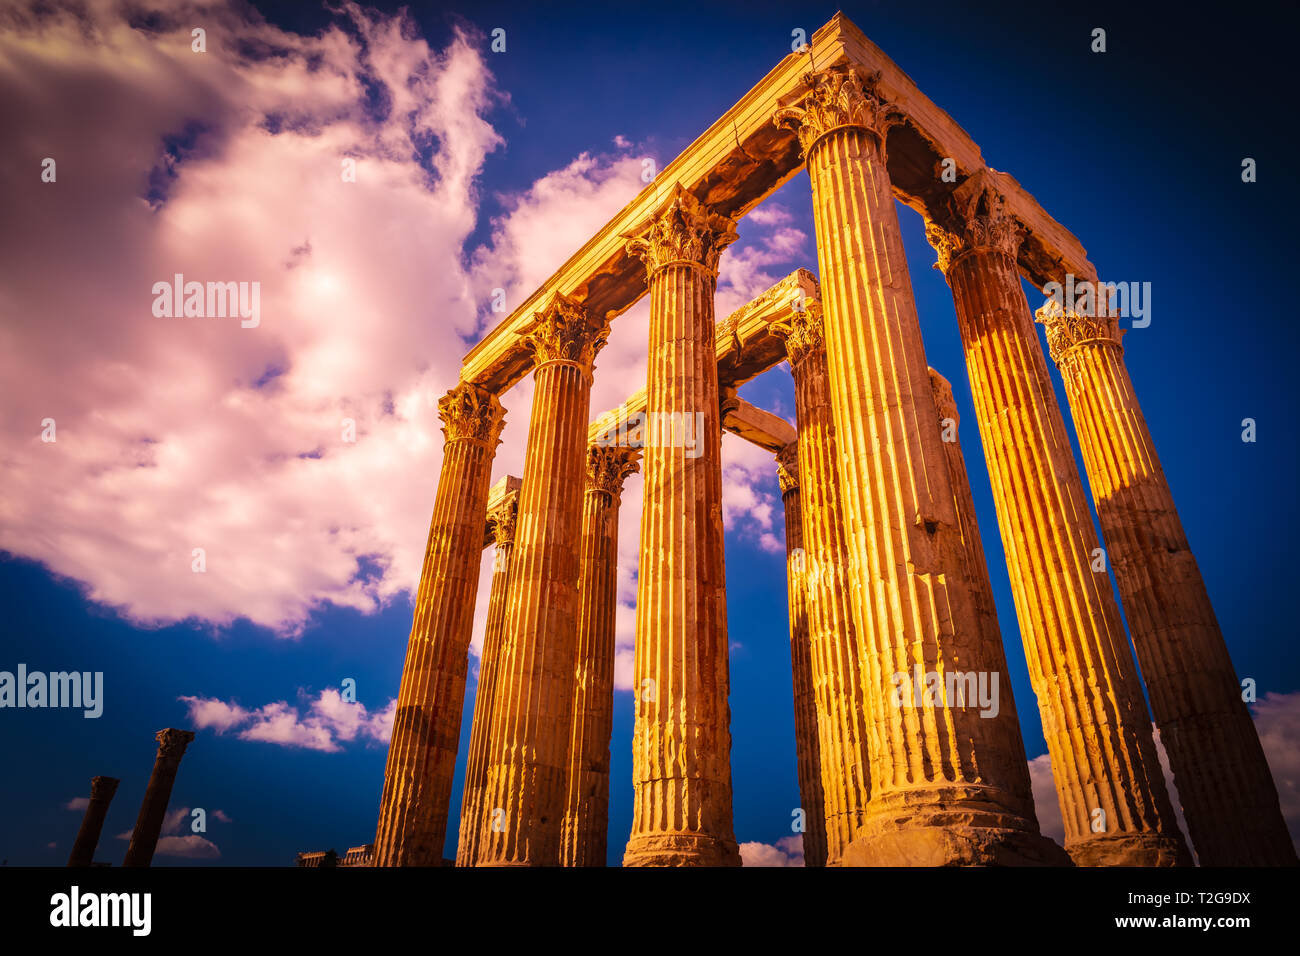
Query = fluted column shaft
x=842 y=717
x=1113 y=798
x=1229 y=799
x=426 y=727
x=586 y=820
x=153 y=809
x=941 y=789
x=807 y=742
x=101 y=795
x=977 y=569
x=476 y=763
x=682 y=741
x=533 y=702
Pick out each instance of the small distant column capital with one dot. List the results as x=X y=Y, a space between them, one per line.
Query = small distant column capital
x=787 y=468
x=1067 y=330
x=172 y=743
x=608 y=467
x=803 y=332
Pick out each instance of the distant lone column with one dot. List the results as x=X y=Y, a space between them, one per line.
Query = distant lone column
x=426 y=729
x=842 y=716
x=1223 y=780
x=941 y=790
x=502 y=520
x=807 y=744
x=681 y=744
x=101 y=795
x=1112 y=793
x=153 y=810
x=586 y=822
x=528 y=771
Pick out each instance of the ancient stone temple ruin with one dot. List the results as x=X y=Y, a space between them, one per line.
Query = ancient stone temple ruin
x=886 y=570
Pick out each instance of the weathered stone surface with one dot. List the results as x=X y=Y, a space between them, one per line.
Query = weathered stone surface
x=586 y=820
x=836 y=651
x=101 y=795
x=681 y=747
x=1229 y=800
x=932 y=764
x=153 y=809
x=426 y=727
x=1113 y=797
x=528 y=770
x=501 y=521
x=807 y=743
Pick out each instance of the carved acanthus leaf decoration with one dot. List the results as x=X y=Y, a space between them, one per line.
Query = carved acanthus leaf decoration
x=787 y=467
x=803 y=331
x=683 y=230
x=471 y=413
x=565 y=332
x=1067 y=329
x=608 y=467
x=836 y=98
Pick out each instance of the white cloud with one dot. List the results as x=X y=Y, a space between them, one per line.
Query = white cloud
x=328 y=723
x=77 y=803
x=788 y=851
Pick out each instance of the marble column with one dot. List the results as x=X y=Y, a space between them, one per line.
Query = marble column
x=1112 y=793
x=502 y=521
x=426 y=728
x=528 y=771
x=153 y=809
x=681 y=747
x=586 y=821
x=842 y=716
x=101 y=794
x=1229 y=799
x=806 y=741
x=942 y=787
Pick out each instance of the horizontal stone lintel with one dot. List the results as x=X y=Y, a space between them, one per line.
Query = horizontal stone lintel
x=743 y=158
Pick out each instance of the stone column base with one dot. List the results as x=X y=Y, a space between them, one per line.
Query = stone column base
x=681 y=849
x=1130 y=849
x=950 y=826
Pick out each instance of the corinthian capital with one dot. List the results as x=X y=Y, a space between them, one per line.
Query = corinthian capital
x=683 y=230
x=608 y=467
x=787 y=467
x=1067 y=329
x=835 y=98
x=501 y=520
x=982 y=223
x=172 y=742
x=565 y=332
x=803 y=332
x=471 y=413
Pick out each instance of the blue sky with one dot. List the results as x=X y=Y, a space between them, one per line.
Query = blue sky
x=1137 y=151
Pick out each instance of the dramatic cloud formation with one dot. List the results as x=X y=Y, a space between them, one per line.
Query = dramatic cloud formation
x=328 y=723
x=201 y=470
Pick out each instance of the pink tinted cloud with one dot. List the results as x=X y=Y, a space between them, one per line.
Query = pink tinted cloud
x=183 y=434
x=327 y=723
